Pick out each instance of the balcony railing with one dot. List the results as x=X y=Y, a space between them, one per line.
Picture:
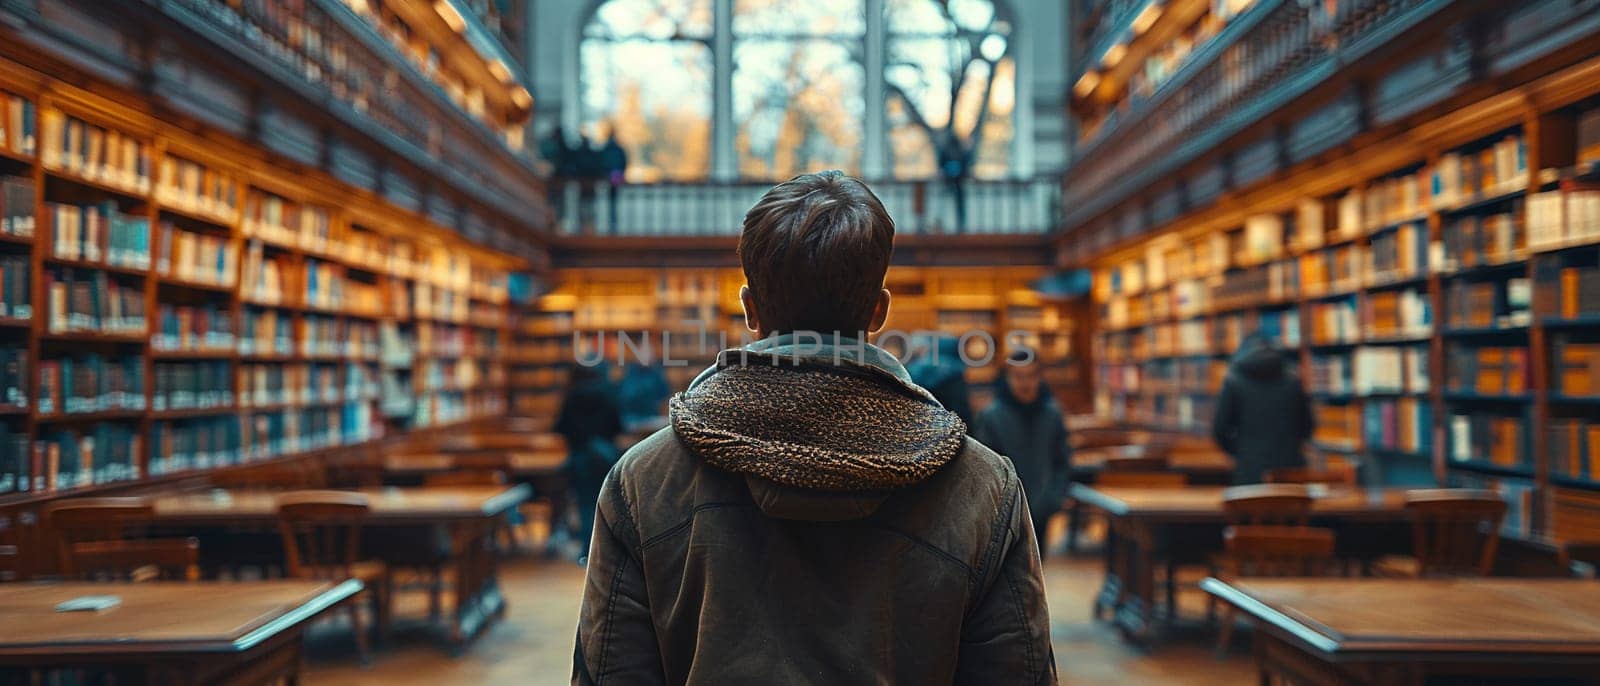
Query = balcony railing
x=717 y=209
x=1272 y=53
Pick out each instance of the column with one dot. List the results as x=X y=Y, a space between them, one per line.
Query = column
x=724 y=163
x=874 y=153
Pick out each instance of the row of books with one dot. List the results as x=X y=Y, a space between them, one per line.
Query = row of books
x=1463 y=177
x=1574 y=447
x=332 y=337
x=1407 y=313
x=1488 y=370
x=16 y=286
x=261 y=279
x=193 y=385
x=90 y=301
x=280 y=221
x=431 y=302
x=1390 y=369
x=193 y=328
x=1565 y=216
x=92 y=383
x=1481 y=304
x=1334 y=270
x=1567 y=292
x=17 y=206
x=1402 y=425
x=1488 y=437
x=17 y=125
x=196 y=443
x=1383 y=202
x=266 y=332
x=1271 y=282
x=1398 y=254
x=69 y=458
x=196 y=257
x=16 y=463
x=1335 y=321
x=99 y=233
x=95 y=153
x=268 y=434
x=1472 y=240
x=197 y=189
x=1575 y=367
x=13 y=376
x=261 y=385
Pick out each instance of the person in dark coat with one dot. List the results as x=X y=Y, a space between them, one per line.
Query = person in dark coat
x=811 y=516
x=1263 y=416
x=642 y=394
x=590 y=421
x=943 y=373
x=1025 y=424
x=615 y=161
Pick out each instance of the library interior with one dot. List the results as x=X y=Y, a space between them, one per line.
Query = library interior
x=1152 y=342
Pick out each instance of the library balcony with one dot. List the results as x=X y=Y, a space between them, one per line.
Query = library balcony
x=1028 y=207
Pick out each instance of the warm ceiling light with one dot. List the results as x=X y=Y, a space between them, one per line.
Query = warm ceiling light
x=450 y=15
x=1086 y=83
x=1114 y=55
x=522 y=98
x=500 y=71
x=1142 y=23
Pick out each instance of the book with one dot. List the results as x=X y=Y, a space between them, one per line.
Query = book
x=17 y=206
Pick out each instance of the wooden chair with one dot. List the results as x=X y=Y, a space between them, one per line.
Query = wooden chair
x=1142 y=463
x=465 y=478
x=1306 y=475
x=1142 y=480
x=322 y=541
x=1280 y=504
x=1456 y=532
x=1270 y=551
x=175 y=559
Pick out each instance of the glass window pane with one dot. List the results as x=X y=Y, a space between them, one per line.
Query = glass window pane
x=798 y=106
x=659 y=19
x=935 y=18
x=843 y=18
x=658 y=97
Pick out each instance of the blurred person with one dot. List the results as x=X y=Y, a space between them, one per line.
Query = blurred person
x=643 y=394
x=1025 y=424
x=1263 y=416
x=942 y=371
x=559 y=155
x=614 y=160
x=590 y=421
x=811 y=516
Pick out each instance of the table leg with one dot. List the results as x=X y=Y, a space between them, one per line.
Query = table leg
x=1133 y=614
x=1111 y=584
x=477 y=590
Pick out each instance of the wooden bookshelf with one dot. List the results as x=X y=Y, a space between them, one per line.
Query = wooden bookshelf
x=1434 y=300
x=679 y=305
x=179 y=303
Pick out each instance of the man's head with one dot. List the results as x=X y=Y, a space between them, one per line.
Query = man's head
x=1023 y=375
x=815 y=250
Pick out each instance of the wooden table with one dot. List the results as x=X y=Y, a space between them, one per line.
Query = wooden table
x=1404 y=631
x=1151 y=527
x=167 y=632
x=465 y=518
x=1206 y=467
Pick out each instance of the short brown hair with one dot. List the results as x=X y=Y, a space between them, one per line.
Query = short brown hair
x=815 y=250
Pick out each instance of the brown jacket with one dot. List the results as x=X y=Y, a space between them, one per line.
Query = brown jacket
x=812 y=522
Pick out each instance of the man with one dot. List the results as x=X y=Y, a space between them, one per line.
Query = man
x=811 y=516
x=1025 y=424
x=1263 y=417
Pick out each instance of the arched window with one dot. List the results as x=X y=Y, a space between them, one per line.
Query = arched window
x=798 y=93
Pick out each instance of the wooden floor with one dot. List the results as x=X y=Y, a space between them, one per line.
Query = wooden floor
x=534 y=644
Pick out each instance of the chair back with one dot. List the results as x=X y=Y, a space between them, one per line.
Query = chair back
x=173 y=559
x=1268 y=550
x=465 y=478
x=1142 y=463
x=1305 y=475
x=94 y=520
x=430 y=462
x=1142 y=480
x=321 y=532
x=1456 y=531
x=1280 y=504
